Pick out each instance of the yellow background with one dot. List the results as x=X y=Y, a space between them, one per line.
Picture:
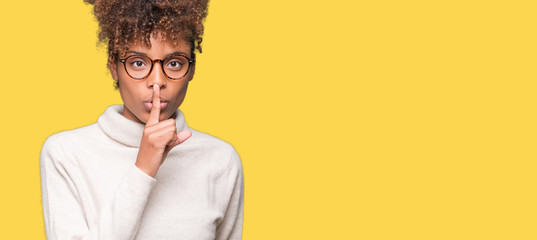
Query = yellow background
x=354 y=119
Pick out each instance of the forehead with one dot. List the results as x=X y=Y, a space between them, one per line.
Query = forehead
x=159 y=47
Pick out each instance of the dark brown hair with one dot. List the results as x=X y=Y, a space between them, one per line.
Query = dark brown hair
x=123 y=22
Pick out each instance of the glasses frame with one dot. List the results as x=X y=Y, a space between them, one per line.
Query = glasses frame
x=161 y=61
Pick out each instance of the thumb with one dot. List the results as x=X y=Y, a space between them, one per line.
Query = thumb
x=181 y=137
x=184 y=135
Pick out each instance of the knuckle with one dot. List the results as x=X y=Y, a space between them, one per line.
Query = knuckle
x=146 y=131
x=170 y=121
x=155 y=145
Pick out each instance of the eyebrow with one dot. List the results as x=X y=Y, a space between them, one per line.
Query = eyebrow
x=171 y=54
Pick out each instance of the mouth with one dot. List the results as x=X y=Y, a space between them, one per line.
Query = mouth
x=148 y=105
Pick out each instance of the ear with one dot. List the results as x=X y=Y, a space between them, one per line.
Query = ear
x=112 y=66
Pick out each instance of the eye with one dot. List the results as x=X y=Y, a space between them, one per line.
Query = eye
x=137 y=62
x=174 y=64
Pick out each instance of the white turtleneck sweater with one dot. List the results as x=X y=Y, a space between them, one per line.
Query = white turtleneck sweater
x=91 y=188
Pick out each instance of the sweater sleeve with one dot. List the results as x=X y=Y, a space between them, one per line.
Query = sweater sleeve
x=231 y=226
x=62 y=205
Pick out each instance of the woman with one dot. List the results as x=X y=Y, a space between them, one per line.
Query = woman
x=140 y=172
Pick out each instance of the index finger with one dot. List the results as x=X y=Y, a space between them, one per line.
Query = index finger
x=155 y=107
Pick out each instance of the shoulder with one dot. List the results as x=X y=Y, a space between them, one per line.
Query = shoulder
x=216 y=147
x=209 y=142
x=69 y=139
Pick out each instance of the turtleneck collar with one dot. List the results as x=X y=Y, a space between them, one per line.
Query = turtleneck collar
x=126 y=131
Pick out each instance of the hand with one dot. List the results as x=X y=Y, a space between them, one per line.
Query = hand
x=158 y=138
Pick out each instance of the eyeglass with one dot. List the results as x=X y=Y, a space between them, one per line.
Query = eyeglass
x=174 y=67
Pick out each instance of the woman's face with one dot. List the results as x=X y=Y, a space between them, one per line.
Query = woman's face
x=137 y=94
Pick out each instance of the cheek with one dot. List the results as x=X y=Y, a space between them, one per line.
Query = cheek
x=130 y=94
x=181 y=93
x=125 y=91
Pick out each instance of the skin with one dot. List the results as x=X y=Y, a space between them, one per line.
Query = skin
x=160 y=132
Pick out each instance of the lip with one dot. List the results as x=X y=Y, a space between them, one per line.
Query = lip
x=149 y=104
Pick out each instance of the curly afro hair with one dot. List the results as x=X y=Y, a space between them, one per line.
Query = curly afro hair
x=123 y=22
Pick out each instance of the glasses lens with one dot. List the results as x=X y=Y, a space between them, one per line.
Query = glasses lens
x=176 y=66
x=138 y=66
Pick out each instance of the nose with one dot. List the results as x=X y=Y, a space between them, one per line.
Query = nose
x=157 y=76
